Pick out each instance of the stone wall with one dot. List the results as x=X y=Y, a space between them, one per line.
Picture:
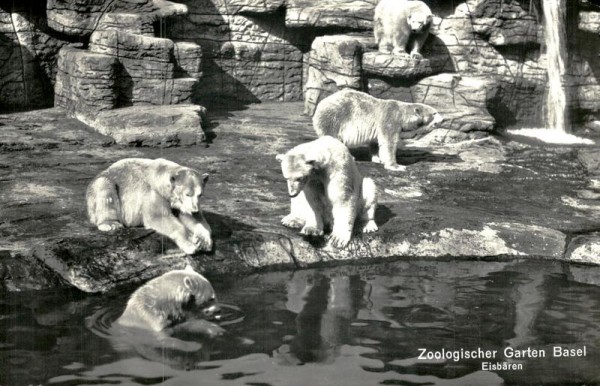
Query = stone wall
x=287 y=50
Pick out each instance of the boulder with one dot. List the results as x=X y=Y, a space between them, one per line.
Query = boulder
x=85 y=82
x=334 y=62
x=395 y=66
x=152 y=125
x=589 y=21
x=78 y=18
x=584 y=249
x=357 y=14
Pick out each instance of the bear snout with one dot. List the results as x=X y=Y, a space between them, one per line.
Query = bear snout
x=212 y=311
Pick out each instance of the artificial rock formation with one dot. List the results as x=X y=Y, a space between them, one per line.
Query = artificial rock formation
x=128 y=69
x=278 y=50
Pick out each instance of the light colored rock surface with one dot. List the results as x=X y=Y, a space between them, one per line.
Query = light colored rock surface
x=584 y=249
x=152 y=126
x=355 y=14
x=589 y=21
x=333 y=63
x=395 y=66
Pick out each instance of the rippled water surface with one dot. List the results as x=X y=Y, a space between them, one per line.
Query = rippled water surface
x=359 y=325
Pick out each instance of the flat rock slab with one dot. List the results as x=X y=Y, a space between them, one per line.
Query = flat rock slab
x=167 y=125
x=464 y=199
x=395 y=66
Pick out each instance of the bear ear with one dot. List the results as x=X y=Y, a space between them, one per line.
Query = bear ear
x=311 y=162
x=279 y=157
x=177 y=175
x=204 y=179
x=189 y=284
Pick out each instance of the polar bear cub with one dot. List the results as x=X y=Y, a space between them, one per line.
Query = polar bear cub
x=359 y=119
x=398 y=23
x=139 y=191
x=166 y=301
x=326 y=189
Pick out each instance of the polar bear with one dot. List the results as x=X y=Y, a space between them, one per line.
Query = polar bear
x=326 y=189
x=358 y=119
x=166 y=302
x=139 y=191
x=398 y=23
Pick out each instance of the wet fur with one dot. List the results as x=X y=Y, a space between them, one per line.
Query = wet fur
x=358 y=119
x=143 y=192
x=165 y=301
x=327 y=191
x=400 y=22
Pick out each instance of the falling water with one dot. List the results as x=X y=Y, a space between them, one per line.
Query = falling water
x=554 y=27
x=556 y=102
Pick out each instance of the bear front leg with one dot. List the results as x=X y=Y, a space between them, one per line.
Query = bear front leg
x=344 y=215
x=296 y=217
x=399 y=42
x=201 y=232
x=418 y=44
x=313 y=213
x=158 y=217
x=388 y=143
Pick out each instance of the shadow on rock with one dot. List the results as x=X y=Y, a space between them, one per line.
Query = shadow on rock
x=224 y=226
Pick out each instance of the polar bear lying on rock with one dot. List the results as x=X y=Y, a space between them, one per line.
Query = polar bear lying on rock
x=326 y=189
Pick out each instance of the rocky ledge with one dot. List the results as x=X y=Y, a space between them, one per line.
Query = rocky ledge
x=460 y=198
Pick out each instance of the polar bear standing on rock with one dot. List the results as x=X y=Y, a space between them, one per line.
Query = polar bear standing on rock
x=326 y=189
x=358 y=119
x=398 y=23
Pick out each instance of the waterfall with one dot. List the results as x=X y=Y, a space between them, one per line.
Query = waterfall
x=554 y=38
x=556 y=119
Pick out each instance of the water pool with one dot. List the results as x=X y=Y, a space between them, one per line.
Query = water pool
x=353 y=325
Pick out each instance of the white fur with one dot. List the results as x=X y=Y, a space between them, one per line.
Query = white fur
x=358 y=119
x=396 y=20
x=327 y=189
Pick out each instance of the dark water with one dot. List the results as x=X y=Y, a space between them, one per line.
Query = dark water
x=359 y=325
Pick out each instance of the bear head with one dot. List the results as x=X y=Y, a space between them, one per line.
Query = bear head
x=421 y=115
x=187 y=186
x=194 y=291
x=296 y=169
x=418 y=21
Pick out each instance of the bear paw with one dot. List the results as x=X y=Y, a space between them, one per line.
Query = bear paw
x=292 y=221
x=399 y=51
x=396 y=168
x=108 y=226
x=416 y=55
x=370 y=227
x=311 y=231
x=376 y=159
x=201 y=238
x=188 y=247
x=340 y=240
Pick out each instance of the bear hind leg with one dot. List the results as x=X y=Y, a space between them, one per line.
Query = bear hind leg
x=104 y=205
